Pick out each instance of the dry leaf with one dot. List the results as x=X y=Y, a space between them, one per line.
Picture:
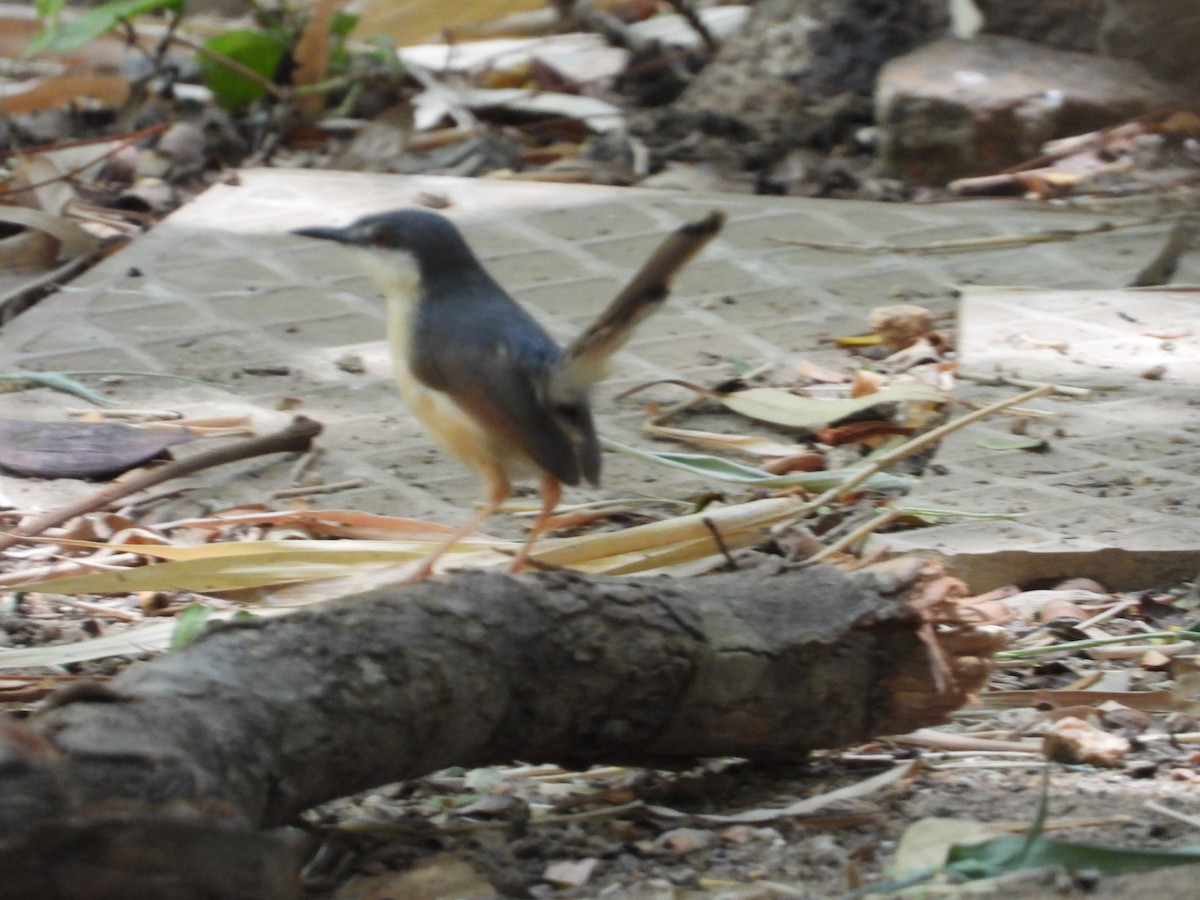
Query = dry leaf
x=312 y=56
x=109 y=91
x=80 y=449
x=808 y=461
x=1072 y=740
x=570 y=873
x=901 y=324
x=72 y=240
x=866 y=382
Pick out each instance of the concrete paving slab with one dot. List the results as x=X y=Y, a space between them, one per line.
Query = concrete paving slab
x=1121 y=467
x=220 y=292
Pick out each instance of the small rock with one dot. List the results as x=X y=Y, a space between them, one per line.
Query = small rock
x=957 y=108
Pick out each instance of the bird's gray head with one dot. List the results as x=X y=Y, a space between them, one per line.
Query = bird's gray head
x=433 y=240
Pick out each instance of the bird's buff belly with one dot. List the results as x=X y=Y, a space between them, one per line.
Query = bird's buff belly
x=451 y=426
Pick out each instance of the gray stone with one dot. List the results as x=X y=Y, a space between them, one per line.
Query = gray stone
x=1162 y=35
x=955 y=108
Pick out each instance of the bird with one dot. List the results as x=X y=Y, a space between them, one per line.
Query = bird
x=482 y=375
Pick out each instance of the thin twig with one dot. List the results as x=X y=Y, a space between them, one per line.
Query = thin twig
x=1193 y=821
x=965 y=244
x=308 y=490
x=910 y=448
x=1160 y=269
x=71 y=173
x=1065 y=389
x=1072 y=646
x=68 y=567
x=889 y=515
x=692 y=18
x=77 y=142
x=719 y=540
x=98 y=609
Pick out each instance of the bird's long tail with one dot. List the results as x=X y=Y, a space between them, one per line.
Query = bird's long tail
x=584 y=361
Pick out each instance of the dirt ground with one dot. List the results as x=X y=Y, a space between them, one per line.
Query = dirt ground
x=849 y=845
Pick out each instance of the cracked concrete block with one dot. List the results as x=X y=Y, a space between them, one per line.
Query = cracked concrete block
x=956 y=108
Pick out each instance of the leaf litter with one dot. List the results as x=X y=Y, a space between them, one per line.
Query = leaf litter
x=1050 y=675
x=639 y=821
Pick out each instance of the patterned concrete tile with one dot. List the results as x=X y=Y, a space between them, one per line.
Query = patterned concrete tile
x=1122 y=468
x=221 y=293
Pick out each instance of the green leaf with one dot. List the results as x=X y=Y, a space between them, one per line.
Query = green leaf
x=65 y=381
x=259 y=50
x=59 y=382
x=1011 y=852
x=931 y=515
x=48 y=10
x=104 y=18
x=343 y=23
x=1033 y=850
x=189 y=624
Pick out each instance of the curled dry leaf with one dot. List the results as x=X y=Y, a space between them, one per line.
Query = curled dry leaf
x=865 y=382
x=922 y=350
x=28 y=251
x=790 y=410
x=860 y=432
x=71 y=240
x=900 y=325
x=312 y=55
x=811 y=372
x=1059 y=610
x=1081 y=584
x=1072 y=740
x=809 y=461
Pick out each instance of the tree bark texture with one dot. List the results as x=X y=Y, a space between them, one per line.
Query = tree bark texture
x=254 y=723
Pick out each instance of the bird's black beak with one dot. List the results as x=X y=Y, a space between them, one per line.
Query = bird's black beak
x=341 y=235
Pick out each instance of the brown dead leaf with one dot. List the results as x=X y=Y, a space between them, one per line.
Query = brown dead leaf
x=860 y=432
x=1155 y=661
x=1048 y=184
x=1183 y=123
x=1061 y=611
x=1073 y=740
x=816 y=374
x=865 y=382
x=899 y=325
x=312 y=56
x=419 y=20
x=808 y=461
x=109 y=91
x=684 y=840
x=28 y=251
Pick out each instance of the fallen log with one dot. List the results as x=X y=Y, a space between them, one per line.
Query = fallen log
x=255 y=722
